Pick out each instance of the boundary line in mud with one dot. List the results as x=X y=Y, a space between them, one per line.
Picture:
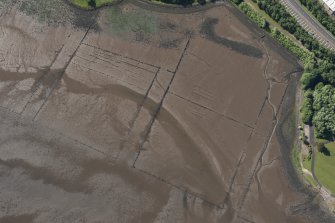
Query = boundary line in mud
x=38 y=83
x=102 y=73
x=64 y=69
x=209 y=109
x=139 y=107
x=145 y=97
x=105 y=57
x=117 y=54
x=140 y=147
x=78 y=141
x=54 y=85
x=159 y=106
x=184 y=190
x=24 y=120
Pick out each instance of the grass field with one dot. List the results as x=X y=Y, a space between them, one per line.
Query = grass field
x=324 y=167
x=307 y=164
x=84 y=3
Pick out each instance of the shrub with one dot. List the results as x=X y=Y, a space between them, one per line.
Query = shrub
x=320 y=146
x=329 y=78
x=237 y=2
x=305 y=56
x=309 y=80
x=324 y=111
x=179 y=2
x=306 y=109
x=258 y=19
x=92 y=3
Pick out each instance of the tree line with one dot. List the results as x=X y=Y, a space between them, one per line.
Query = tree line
x=319 y=12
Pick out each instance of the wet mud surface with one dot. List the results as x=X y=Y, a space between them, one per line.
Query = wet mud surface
x=207 y=29
x=143 y=116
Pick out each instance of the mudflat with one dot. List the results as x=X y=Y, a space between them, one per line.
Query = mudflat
x=137 y=114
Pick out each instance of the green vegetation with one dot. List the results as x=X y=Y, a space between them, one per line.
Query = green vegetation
x=261 y=22
x=319 y=12
x=237 y=2
x=139 y=22
x=309 y=80
x=307 y=107
x=87 y=4
x=307 y=163
x=304 y=55
x=5 y=6
x=182 y=2
x=331 y=146
x=310 y=180
x=324 y=109
x=56 y=12
x=324 y=165
x=278 y=13
x=296 y=157
x=51 y=11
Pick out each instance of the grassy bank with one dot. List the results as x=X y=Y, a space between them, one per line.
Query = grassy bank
x=181 y=2
x=311 y=181
x=84 y=3
x=296 y=158
x=307 y=163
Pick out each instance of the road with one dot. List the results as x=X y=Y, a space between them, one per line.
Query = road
x=309 y=23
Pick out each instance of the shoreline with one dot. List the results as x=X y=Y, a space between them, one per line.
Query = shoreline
x=152 y=5
x=288 y=116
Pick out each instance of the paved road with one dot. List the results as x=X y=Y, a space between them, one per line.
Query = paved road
x=310 y=23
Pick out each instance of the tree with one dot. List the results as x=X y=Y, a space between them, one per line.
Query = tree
x=329 y=78
x=306 y=109
x=320 y=146
x=201 y=2
x=309 y=80
x=237 y=1
x=324 y=112
x=179 y=2
x=92 y=3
